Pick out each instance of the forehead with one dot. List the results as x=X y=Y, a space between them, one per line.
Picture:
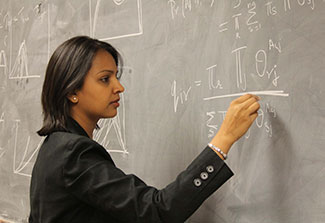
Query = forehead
x=103 y=61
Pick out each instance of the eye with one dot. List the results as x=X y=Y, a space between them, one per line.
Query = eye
x=105 y=79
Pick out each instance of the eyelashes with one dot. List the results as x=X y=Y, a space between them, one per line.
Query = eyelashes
x=105 y=79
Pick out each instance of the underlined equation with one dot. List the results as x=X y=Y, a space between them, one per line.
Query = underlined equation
x=254 y=67
x=261 y=70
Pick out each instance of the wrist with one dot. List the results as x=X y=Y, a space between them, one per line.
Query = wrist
x=218 y=151
x=222 y=142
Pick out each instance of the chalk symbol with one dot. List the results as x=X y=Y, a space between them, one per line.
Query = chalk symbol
x=223 y=29
x=24 y=160
x=20 y=68
x=93 y=20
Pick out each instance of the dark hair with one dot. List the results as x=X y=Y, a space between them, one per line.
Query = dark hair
x=65 y=74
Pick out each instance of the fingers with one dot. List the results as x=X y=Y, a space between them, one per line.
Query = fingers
x=253 y=116
x=243 y=98
x=253 y=108
x=246 y=104
x=246 y=97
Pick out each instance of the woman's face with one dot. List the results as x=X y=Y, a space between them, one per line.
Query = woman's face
x=99 y=95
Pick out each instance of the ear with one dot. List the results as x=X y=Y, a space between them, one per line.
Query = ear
x=73 y=98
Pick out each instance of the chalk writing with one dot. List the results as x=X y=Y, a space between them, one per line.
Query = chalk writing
x=20 y=68
x=237 y=4
x=213 y=128
x=275 y=45
x=310 y=3
x=183 y=7
x=287 y=5
x=39 y=11
x=260 y=122
x=94 y=18
x=240 y=75
x=3 y=61
x=25 y=159
x=180 y=96
x=236 y=19
x=2 y=118
x=261 y=67
x=271 y=10
x=212 y=83
x=252 y=23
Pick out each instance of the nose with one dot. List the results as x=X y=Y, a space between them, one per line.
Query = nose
x=118 y=88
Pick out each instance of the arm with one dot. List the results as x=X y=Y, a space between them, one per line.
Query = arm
x=92 y=177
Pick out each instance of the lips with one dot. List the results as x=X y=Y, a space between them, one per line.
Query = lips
x=115 y=102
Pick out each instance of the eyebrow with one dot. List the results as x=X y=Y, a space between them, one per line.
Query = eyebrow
x=109 y=71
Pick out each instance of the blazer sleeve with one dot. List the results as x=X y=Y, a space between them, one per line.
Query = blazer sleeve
x=91 y=175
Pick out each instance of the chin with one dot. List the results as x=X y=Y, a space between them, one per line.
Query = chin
x=111 y=115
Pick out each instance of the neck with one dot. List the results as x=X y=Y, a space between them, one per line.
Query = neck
x=87 y=124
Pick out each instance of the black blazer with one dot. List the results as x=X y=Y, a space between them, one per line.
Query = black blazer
x=74 y=179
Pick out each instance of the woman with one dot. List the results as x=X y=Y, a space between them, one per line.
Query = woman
x=74 y=178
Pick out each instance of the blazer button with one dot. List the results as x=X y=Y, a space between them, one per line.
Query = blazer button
x=210 y=169
x=204 y=175
x=197 y=182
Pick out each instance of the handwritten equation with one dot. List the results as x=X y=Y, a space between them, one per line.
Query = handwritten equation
x=260 y=67
x=184 y=8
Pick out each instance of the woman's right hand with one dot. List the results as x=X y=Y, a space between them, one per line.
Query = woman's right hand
x=240 y=115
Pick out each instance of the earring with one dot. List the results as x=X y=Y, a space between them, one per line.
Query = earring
x=75 y=99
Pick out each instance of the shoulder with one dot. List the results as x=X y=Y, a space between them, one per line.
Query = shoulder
x=72 y=145
x=70 y=140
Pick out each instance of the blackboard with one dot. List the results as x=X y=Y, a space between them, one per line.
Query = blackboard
x=185 y=60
